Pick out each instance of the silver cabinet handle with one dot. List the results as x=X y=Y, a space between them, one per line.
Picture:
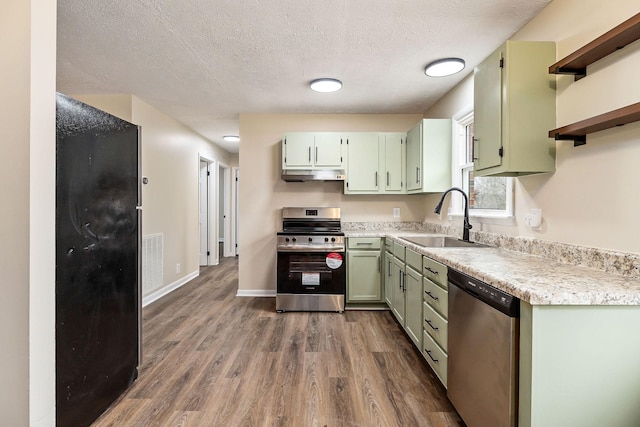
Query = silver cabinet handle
x=428 y=322
x=309 y=154
x=379 y=266
x=431 y=295
x=389 y=268
x=387 y=178
x=417 y=175
x=316 y=154
x=376 y=175
x=364 y=243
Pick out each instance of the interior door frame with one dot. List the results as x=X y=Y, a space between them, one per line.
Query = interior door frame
x=235 y=172
x=224 y=198
x=212 y=256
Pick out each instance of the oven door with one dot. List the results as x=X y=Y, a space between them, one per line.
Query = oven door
x=311 y=273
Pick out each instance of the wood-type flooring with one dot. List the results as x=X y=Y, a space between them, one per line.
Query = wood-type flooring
x=214 y=359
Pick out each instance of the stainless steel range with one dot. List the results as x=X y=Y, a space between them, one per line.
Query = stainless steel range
x=311 y=260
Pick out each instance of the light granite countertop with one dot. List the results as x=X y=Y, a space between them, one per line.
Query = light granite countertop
x=534 y=279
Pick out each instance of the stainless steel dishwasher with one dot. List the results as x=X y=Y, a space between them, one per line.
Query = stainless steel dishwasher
x=483 y=352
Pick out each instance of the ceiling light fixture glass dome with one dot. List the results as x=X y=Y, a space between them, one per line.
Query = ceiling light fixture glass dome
x=444 y=67
x=325 y=85
x=231 y=138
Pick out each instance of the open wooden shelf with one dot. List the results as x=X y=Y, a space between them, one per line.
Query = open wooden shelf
x=578 y=131
x=609 y=42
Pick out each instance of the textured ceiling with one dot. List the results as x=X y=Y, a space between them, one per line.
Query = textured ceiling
x=205 y=62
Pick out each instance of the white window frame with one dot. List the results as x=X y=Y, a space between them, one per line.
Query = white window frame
x=459 y=165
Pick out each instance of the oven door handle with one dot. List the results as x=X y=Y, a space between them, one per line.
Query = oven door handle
x=339 y=249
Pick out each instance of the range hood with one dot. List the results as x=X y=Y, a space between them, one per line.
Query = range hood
x=302 y=175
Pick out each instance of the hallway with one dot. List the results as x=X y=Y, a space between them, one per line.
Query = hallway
x=211 y=359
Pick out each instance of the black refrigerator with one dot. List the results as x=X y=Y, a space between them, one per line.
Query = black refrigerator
x=97 y=260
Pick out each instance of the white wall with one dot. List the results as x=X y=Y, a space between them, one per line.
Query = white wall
x=27 y=216
x=263 y=193
x=590 y=199
x=170 y=160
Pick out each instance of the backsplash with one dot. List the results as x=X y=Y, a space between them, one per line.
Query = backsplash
x=624 y=263
x=380 y=226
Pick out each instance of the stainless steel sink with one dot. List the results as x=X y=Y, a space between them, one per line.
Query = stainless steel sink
x=443 y=242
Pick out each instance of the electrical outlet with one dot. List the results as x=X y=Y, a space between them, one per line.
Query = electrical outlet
x=534 y=219
x=396 y=212
x=177 y=268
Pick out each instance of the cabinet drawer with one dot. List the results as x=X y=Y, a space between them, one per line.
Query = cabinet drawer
x=436 y=358
x=435 y=325
x=435 y=271
x=414 y=259
x=388 y=245
x=364 y=243
x=398 y=251
x=436 y=297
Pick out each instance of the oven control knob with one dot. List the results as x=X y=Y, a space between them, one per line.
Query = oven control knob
x=293 y=239
x=333 y=239
x=310 y=239
x=326 y=239
x=286 y=239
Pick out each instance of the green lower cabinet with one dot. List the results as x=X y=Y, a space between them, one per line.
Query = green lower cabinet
x=413 y=306
x=364 y=283
x=388 y=278
x=579 y=366
x=397 y=285
x=435 y=312
x=364 y=270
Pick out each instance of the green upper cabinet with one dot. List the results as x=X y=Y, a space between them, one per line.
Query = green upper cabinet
x=328 y=150
x=429 y=156
x=394 y=145
x=362 y=170
x=376 y=163
x=514 y=108
x=312 y=150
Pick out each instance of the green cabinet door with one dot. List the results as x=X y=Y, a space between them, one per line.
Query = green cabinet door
x=388 y=279
x=297 y=149
x=394 y=160
x=413 y=306
x=398 y=306
x=328 y=150
x=487 y=112
x=414 y=158
x=429 y=156
x=362 y=167
x=514 y=108
x=363 y=269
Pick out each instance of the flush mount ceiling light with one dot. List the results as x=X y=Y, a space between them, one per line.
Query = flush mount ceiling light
x=325 y=85
x=444 y=67
x=231 y=138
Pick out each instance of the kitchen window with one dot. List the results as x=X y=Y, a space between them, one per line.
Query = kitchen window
x=489 y=197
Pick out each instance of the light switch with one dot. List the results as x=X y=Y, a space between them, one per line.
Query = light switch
x=396 y=212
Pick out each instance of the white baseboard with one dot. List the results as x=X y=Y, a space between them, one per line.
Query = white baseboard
x=156 y=295
x=255 y=293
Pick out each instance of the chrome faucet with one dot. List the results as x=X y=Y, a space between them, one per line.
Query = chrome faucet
x=466 y=225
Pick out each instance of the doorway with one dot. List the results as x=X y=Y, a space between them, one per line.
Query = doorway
x=224 y=211
x=208 y=255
